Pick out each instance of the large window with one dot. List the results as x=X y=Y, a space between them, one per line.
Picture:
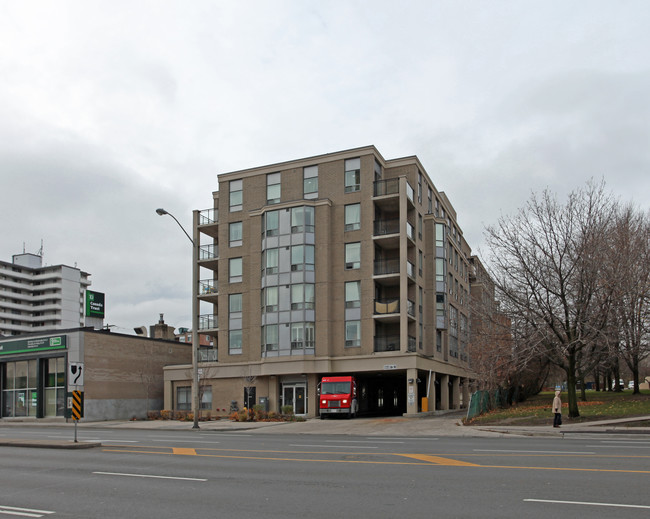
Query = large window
x=310 y=182
x=272 y=223
x=353 y=294
x=234 y=341
x=302 y=296
x=302 y=219
x=273 y=188
x=270 y=261
x=205 y=393
x=235 y=303
x=352 y=175
x=302 y=336
x=352 y=217
x=302 y=257
x=270 y=299
x=352 y=334
x=235 y=234
x=235 y=270
x=19 y=391
x=270 y=337
x=352 y=255
x=184 y=398
x=236 y=195
x=55 y=387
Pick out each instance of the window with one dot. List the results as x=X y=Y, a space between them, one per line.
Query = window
x=235 y=233
x=352 y=255
x=302 y=336
x=353 y=294
x=234 y=341
x=273 y=188
x=184 y=398
x=302 y=219
x=236 y=195
x=270 y=337
x=352 y=334
x=235 y=270
x=352 y=217
x=271 y=261
x=205 y=394
x=302 y=257
x=352 y=175
x=271 y=223
x=270 y=299
x=310 y=182
x=235 y=303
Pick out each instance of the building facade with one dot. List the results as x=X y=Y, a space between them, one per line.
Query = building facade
x=122 y=375
x=34 y=297
x=344 y=263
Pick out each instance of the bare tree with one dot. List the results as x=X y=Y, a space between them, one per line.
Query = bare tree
x=628 y=271
x=546 y=263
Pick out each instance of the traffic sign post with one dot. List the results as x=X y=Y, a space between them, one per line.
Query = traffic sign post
x=76 y=408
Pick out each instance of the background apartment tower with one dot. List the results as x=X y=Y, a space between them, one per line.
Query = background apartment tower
x=35 y=298
x=344 y=263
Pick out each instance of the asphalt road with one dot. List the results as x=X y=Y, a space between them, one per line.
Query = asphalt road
x=173 y=474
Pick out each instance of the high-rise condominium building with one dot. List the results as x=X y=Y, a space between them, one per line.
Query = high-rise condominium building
x=34 y=298
x=338 y=264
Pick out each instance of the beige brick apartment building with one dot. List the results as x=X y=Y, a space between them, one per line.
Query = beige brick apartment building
x=344 y=263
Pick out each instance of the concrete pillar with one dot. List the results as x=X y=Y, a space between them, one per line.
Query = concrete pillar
x=431 y=384
x=444 y=392
x=466 y=392
x=455 y=392
x=168 y=394
x=411 y=391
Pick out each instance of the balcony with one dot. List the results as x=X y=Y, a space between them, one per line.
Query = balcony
x=384 y=343
x=388 y=310
x=209 y=256
x=208 y=323
x=208 y=290
x=209 y=222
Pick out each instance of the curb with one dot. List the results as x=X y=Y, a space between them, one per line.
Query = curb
x=47 y=444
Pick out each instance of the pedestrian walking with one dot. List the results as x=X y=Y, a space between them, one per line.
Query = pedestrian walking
x=557 y=410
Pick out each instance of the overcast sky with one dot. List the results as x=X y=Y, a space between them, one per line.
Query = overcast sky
x=109 y=110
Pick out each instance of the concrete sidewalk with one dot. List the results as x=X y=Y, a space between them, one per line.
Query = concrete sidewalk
x=425 y=426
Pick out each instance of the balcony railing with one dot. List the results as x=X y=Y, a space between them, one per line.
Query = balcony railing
x=207 y=286
x=208 y=216
x=383 y=267
x=386 y=187
x=206 y=355
x=384 y=227
x=208 y=322
x=392 y=343
x=386 y=306
x=208 y=252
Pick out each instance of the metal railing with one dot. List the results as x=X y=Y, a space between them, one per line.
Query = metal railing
x=208 y=322
x=208 y=216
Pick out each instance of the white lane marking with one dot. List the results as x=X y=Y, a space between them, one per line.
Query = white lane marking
x=534 y=452
x=24 y=512
x=185 y=441
x=147 y=476
x=359 y=441
x=120 y=441
x=406 y=439
x=618 y=446
x=629 y=442
x=586 y=503
x=330 y=446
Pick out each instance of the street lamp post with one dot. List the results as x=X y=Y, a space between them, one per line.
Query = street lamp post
x=195 y=310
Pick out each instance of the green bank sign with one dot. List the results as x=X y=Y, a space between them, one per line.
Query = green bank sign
x=94 y=304
x=28 y=345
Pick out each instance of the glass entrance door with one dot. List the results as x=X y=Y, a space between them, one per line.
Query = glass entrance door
x=295 y=395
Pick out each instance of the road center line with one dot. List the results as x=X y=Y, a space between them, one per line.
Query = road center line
x=147 y=476
x=360 y=441
x=586 y=503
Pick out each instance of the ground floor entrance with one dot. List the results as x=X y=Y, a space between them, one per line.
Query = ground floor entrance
x=294 y=394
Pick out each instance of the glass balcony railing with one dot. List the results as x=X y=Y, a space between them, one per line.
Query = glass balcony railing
x=383 y=267
x=206 y=355
x=207 y=252
x=384 y=227
x=207 y=287
x=386 y=187
x=208 y=216
x=208 y=322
